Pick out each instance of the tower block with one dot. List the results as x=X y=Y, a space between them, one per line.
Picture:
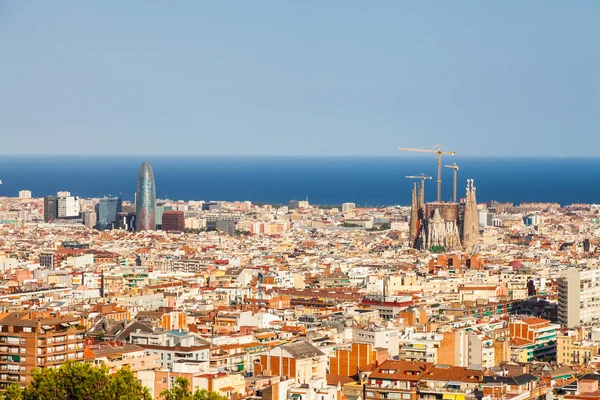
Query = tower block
x=470 y=223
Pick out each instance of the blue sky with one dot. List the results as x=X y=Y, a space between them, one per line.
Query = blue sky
x=299 y=77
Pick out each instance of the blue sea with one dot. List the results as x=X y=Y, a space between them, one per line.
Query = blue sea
x=371 y=181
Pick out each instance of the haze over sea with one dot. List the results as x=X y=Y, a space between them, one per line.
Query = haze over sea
x=324 y=180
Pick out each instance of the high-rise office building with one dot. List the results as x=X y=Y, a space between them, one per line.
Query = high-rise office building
x=89 y=219
x=173 y=221
x=158 y=214
x=108 y=208
x=145 y=199
x=68 y=206
x=578 y=299
x=50 y=208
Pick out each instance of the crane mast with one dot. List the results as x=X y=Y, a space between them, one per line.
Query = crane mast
x=455 y=168
x=438 y=152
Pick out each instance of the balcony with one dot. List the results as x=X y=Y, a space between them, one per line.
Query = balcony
x=442 y=390
x=10 y=359
x=388 y=387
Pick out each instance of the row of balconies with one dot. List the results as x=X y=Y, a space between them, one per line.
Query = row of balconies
x=60 y=358
x=60 y=339
x=60 y=349
x=12 y=378
x=12 y=368
x=12 y=350
x=12 y=340
x=12 y=359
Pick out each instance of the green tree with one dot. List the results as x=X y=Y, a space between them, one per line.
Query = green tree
x=206 y=395
x=80 y=381
x=181 y=391
x=14 y=392
x=124 y=386
x=438 y=249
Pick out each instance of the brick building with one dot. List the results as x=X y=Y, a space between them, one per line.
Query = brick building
x=348 y=360
x=173 y=221
x=299 y=360
x=37 y=340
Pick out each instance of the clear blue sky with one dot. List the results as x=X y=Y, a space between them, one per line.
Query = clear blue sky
x=299 y=77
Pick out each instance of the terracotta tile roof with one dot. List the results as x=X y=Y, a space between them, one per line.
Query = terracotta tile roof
x=519 y=342
x=401 y=370
x=442 y=372
x=535 y=321
x=333 y=380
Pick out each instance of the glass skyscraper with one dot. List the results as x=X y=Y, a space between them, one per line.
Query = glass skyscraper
x=145 y=200
x=108 y=209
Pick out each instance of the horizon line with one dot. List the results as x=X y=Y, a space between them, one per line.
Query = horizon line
x=286 y=155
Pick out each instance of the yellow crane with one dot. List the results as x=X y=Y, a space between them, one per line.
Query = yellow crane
x=422 y=177
x=455 y=168
x=438 y=152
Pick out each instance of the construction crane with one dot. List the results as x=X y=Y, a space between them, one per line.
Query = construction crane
x=455 y=168
x=422 y=177
x=437 y=151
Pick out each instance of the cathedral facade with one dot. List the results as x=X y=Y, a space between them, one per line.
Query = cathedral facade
x=448 y=225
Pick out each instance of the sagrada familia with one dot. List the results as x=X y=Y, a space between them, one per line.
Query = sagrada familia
x=451 y=225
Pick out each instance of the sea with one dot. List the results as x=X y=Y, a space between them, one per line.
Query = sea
x=325 y=180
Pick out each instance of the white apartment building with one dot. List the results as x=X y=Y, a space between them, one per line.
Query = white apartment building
x=175 y=347
x=68 y=206
x=378 y=336
x=348 y=207
x=579 y=297
x=420 y=346
x=475 y=349
x=24 y=194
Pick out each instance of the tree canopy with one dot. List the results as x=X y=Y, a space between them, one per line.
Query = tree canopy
x=80 y=381
x=181 y=391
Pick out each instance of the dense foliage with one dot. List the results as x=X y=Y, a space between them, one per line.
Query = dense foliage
x=181 y=391
x=439 y=249
x=80 y=381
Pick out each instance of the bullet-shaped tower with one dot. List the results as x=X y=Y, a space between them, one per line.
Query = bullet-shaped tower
x=145 y=199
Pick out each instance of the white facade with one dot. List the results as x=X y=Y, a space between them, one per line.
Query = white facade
x=475 y=349
x=348 y=207
x=195 y=223
x=386 y=338
x=420 y=346
x=89 y=219
x=579 y=297
x=175 y=347
x=261 y=320
x=25 y=194
x=68 y=206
